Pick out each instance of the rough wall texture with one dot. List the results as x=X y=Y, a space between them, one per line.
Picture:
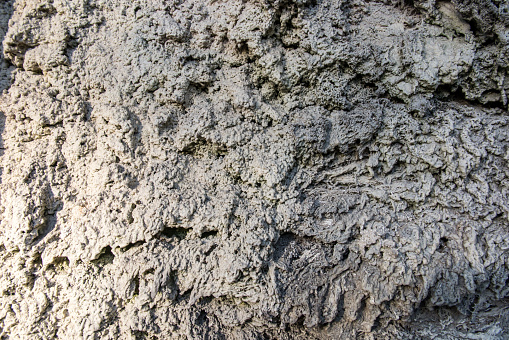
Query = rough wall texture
x=227 y=169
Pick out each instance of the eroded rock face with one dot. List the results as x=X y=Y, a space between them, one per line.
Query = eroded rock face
x=254 y=170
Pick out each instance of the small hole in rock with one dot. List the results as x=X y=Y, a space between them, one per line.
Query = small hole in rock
x=58 y=263
x=443 y=243
x=132 y=245
x=136 y=282
x=179 y=233
x=37 y=260
x=345 y=254
x=61 y=260
x=211 y=233
x=106 y=256
x=148 y=271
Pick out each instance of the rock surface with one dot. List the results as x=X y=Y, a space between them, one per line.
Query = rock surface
x=306 y=169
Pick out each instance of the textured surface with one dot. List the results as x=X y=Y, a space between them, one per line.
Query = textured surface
x=254 y=170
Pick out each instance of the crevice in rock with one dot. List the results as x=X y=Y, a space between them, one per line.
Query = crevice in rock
x=175 y=232
x=58 y=264
x=202 y=319
x=209 y=234
x=454 y=93
x=142 y=335
x=49 y=225
x=106 y=257
x=36 y=259
x=299 y=242
x=183 y=296
x=212 y=248
x=136 y=282
x=149 y=271
x=442 y=244
x=132 y=245
x=202 y=146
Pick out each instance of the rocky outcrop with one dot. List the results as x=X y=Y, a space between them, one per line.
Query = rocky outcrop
x=254 y=169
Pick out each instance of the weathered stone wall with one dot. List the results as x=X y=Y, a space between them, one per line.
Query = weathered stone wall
x=200 y=169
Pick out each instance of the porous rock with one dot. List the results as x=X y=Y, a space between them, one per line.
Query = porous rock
x=291 y=169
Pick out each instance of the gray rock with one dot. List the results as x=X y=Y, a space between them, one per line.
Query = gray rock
x=254 y=170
